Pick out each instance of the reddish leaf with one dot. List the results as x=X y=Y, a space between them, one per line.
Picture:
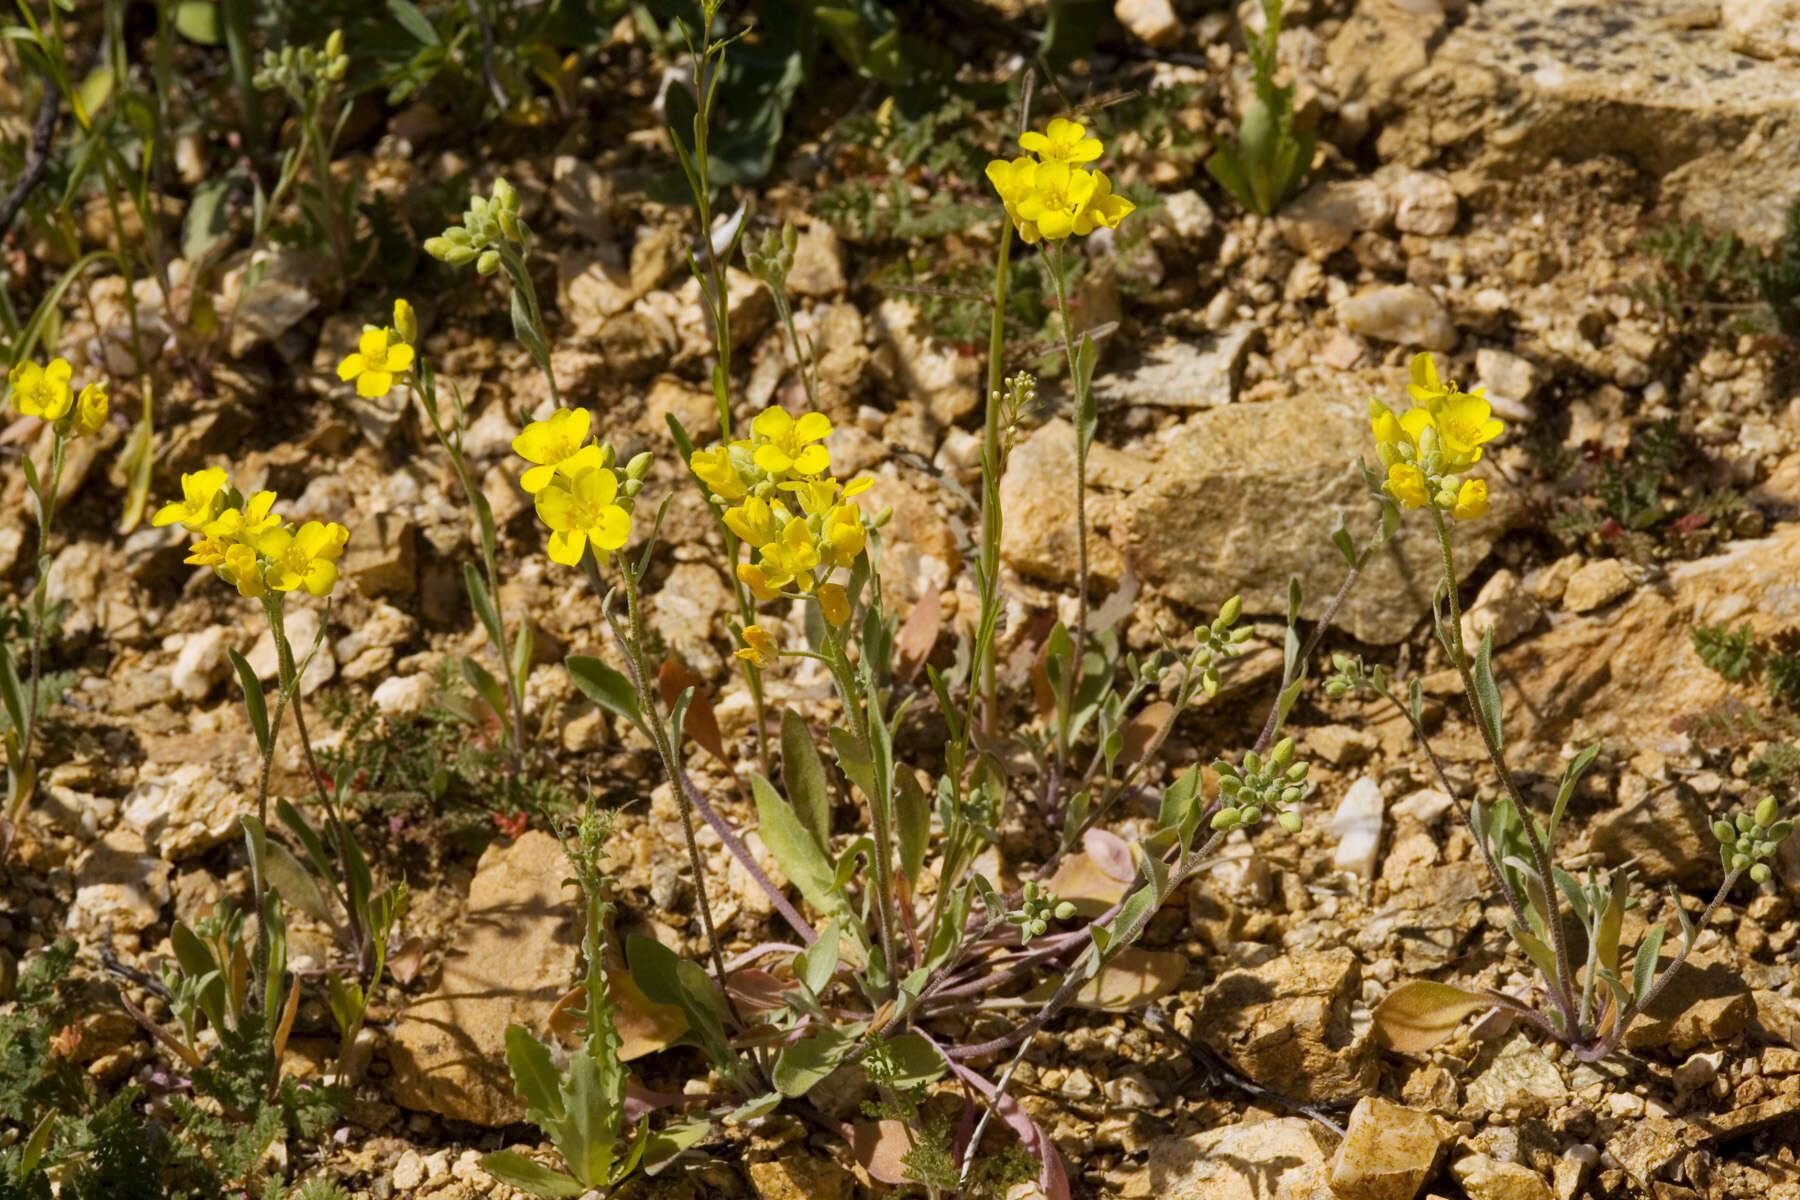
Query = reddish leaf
x=919 y=634
x=880 y=1146
x=644 y=1025
x=702 y=724
x=1416 y=1016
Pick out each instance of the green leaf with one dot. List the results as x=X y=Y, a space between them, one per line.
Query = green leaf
x=804 y=774
x=607 y=687
x=483 y=604
x=1087 y=416
x=915 y=1061
x=514 y=1169
x=534 y=1075
x=803 y=1064
x=255 y=701
x=296 y=885
x=666 y=978
x=815 y=965
x=11 y=694
x=1340 y=537
x=1571 y=778
x=207 y=220
x=407 y=14
x=1487 y=694
x=1643 y=965
x=914 y=821
x=1416 y=1016
x=800 y=857
x=1224 y=166
x=750 y=1110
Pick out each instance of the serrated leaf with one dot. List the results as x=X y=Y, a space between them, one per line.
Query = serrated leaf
x=1416 y=1016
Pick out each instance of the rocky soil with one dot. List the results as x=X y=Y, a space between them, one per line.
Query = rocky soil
x=1484 y=171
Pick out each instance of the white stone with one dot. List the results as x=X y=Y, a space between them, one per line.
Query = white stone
x=1403 y=314
x=1424 y=203
x=1152 y=20
x=202 y=662
x=1510 y=382
x=402 y=696
x=1357 y=827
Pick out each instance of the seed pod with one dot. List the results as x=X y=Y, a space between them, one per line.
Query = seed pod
x=1765 y=812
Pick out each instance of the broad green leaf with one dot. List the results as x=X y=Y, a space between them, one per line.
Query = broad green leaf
x=483 y=604
x=801 y=858
x=514 y=1169
x=750 y=1110
x=668 y=979
x=409 y=18
x=307 y=836
x=803 y=1064
x=915 y=1060
x=804 y=774
x=815 y=965
x=256 y=703
x=1535 y=950
x=298 y=887
x=852 y=761
x=534 y=1075
x=1487 y=694
x=1416 y=1016
x=913 y=819
x=1643 y=966
x=594 y=1095
x=607 y=687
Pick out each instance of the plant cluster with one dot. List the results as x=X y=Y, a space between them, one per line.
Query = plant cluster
x=1271 y=156
x=1717 y=284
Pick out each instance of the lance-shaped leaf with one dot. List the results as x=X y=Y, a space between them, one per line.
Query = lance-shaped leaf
x=1416 y=1016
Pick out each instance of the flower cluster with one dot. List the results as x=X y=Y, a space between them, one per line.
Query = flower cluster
x=1051 y=196
x=1427 y=447
x=47 y=393
x=1752 y=838
x=490 y=222
x=1261 y=786
x=784 y=504
x=297 y=69
x=382 y=354
x=247 y=545
x=581 y=495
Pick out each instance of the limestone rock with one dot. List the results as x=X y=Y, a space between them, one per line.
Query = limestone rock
x=1287 y=1025
x=1596 y=584
x=1152 y=20
x=514 y=957
x=1510 y=380
x=1531 y=84
x=1038 y=497
x=1321 y=220
x=1244 y=496
x=1503 y=607
x=402 y=696
x=1387 y=1153
x=1424 y=203
x=201 y=663
x=1182 y=374
x=188 y=811
x=1485 y=1178
x=682 y=612
x=818 y=268
x=1357 y=827
x=1661 y=827
x=1521 y=1081
x=381 y=557
x=801 y=1176
x=1283 y=1159
x=118 y=884
x=1707 y=1003
x=1404 y=314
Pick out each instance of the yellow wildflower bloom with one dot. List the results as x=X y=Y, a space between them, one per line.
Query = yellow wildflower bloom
x=380 y=355
x=759 y=646
x=793 y=556
x=782 y=443
x=581 y=510
x=834 y=603
x=759 y=582
x=306 y=557
x=406 y=322
x=245 y=571
x=844 y=536
x=757 y=522
x=199 y=495
x=42 y=391
x=719 y=472
x=207 y=552
x=1058 y=200
x=1407 y=484
x=1425 y=387
x=1106 y=206
x=1471 y=501
x=549 y=443
x=246 y=524
x=1012 y=179
x=90 y=410
x=1063 y=140
x=1465 y=421
x=818 y=495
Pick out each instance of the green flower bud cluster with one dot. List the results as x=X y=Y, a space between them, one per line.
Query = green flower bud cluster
x=1220 y=640
x=771 y=261
x=1349 y=675
x=1038 y=906
x=1752 y=837
x=297 y=70
x=1016 y=399
x=491 y=223
x=1262 y=787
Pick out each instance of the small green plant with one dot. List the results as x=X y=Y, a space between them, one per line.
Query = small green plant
x=1270 y=157
x=311 y=77
x=1740 y=656
x=1717 y=283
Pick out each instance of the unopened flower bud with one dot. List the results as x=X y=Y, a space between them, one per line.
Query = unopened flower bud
x=640 y=464
x=459 y=256
x=1765 y=812
x=1252 y=763
x=505 y=196
x=1290 y=821
x=1336 y=689
x=406 y=322
x=1224 y=819
x=1231 y=610
x=1297 y=772
x=1242 y=633
x=1291 y=795
x=1744 y=822
x=1342 y=662
x=488 y=263
x=1760 y=872
x=1722 y=829
x=1284 y=754
x=1064 y=910
x=1252 y=815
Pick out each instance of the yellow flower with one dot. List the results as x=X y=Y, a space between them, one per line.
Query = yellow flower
x=782 y=443
x=90 y=410
x=719 y=472
x=1058 y=200
x=757 y=522
x=1407 y=484
x=818 y=495
x=246 y=524
x=1471 y=501
x=207 y=552
x=581 y=510
x=1106 y=207
x=1465 y=421
x=759 y=646
x=42 y=391
x=244 y=570
x=834 y=602
x=406 y=323
x=1012 y=179
x=549 y=443
x=793 y=556
x=380 y=355
x=1425 y=388
x=1063 y=140
x=758 y=581
x=844 y=536
x=306 y=557
x=199 y=494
